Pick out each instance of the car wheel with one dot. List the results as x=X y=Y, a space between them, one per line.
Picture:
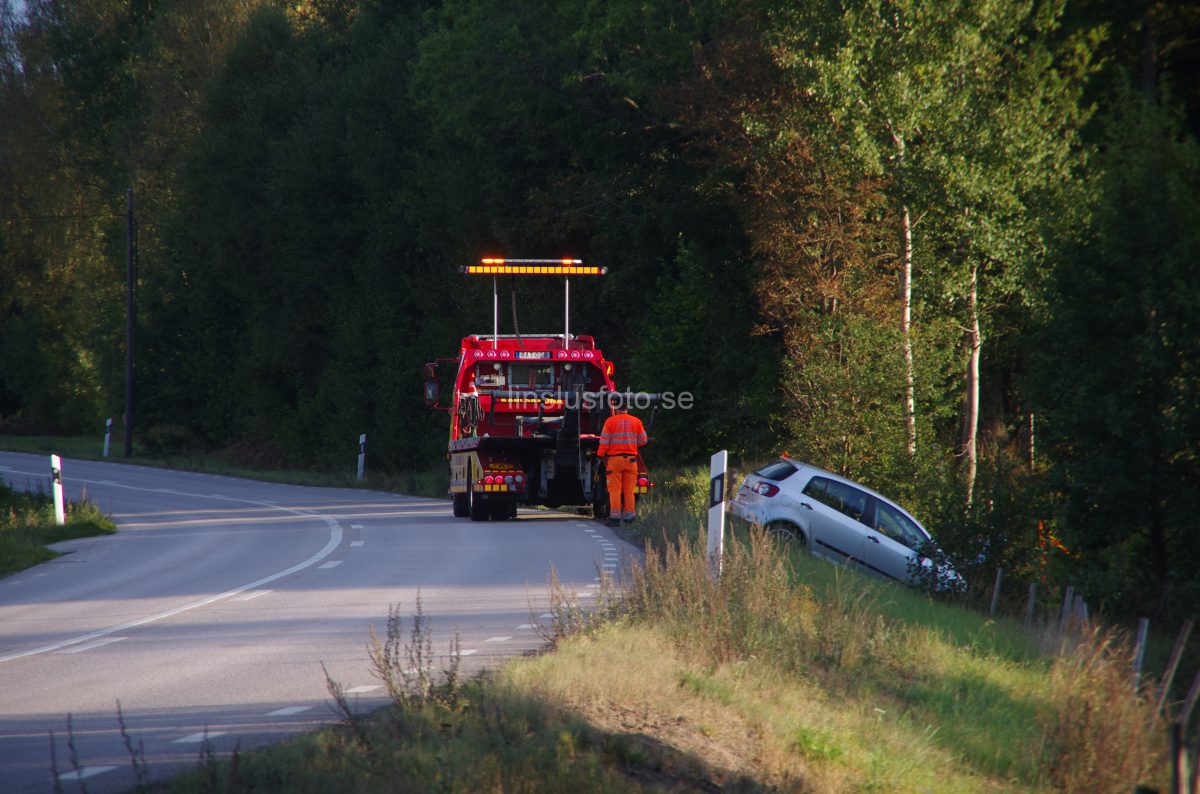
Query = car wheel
x=785 y=532
x=462 y=507
x=477 y=507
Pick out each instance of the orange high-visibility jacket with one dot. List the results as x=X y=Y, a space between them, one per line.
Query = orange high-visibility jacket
x=622 y=435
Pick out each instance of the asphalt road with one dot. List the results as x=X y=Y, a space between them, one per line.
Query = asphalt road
x=213 y=614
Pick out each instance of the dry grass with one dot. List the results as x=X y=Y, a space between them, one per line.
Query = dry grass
x=787 y=674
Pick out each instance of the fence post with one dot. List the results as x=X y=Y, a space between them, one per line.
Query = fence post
x=716 y=512
x=1178 y=751
x=1030 y=602
x=1139 y=652
x=1172 y=666
x=996 y=592
x=362 y=454
x=1066 y=610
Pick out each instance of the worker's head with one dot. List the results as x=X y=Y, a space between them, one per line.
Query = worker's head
x=618 y=404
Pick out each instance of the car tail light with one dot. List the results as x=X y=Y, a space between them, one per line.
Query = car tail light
x=764 y=489
x=643 y=482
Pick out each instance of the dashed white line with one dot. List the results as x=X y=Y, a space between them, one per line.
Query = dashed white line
x=254 y=595
x=357 y=543
x=467 y=653
x=526 y=626
x=85 y=773
x=360 y=690
x=331 y=564
x=356 y=526
x=288 y=711
x=196 y=738
x=89 y=646
x=498 y=639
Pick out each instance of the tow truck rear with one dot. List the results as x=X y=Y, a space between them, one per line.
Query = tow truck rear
x=526 y=411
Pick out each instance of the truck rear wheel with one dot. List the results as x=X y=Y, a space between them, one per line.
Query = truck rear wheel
x=599 y=493
x=462 y=508
x=478 y=506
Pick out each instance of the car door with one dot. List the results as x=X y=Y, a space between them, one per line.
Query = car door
x=834 y=522
x=892 y=546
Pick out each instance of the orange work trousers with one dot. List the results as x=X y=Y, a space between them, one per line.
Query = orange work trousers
x=622 y=477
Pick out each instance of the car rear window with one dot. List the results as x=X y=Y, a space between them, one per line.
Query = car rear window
x=778 y=471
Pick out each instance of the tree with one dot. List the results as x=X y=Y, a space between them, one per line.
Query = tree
x=1118 y=366
x=962 y=109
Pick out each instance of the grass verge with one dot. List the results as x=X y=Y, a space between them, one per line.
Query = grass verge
x=787 y=675
x=27 y=527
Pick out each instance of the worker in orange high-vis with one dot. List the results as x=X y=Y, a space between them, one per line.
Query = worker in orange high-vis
x=619 y=442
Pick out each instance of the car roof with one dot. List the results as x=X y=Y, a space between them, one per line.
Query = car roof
x=816 y=471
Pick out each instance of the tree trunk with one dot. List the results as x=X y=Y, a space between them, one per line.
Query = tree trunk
x=910 y=402
x=971 y=410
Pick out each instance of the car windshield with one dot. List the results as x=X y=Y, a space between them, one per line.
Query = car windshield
x=778 y=471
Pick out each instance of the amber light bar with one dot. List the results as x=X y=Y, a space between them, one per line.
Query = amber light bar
x=493 y=266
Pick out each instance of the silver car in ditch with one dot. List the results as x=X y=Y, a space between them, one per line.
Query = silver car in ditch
x=840 y=520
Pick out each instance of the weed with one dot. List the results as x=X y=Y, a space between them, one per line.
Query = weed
x=137 y=755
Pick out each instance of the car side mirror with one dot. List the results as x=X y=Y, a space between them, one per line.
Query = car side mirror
x=432 y=392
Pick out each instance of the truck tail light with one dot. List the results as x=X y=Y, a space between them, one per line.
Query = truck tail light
x=520 y=478
x=764 y=489
x=488 y=480
x=508 y=480
x=643 y=482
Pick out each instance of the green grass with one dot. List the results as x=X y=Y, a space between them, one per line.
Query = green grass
x=27 y=527
x=788 y=674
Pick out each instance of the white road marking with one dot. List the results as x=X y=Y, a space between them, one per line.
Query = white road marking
x=356 y=526
x=85 y=773
x=288 y=711
x=498 y=639
x=254 y=595
x=545 y=615
x=331 y=564
x=586 y=595
x=91 y=645
x=356 y=543
x=196 y=738
x=527 y=626
x=467 y=653
x=359 y=690
x=593 y=585
x=335 y=540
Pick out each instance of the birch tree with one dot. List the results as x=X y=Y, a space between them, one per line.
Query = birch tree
x=965 y=110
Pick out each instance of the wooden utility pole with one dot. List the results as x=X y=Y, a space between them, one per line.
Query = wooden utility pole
x=130 y=317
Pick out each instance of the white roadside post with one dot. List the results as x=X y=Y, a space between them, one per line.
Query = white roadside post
x=60 y=515
x=716 y=512
x=362 y=454
x=107 y=436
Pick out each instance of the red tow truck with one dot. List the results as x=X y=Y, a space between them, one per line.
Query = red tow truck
x=526 y=411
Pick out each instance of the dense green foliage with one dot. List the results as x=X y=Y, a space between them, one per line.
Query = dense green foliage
x=941 y=247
